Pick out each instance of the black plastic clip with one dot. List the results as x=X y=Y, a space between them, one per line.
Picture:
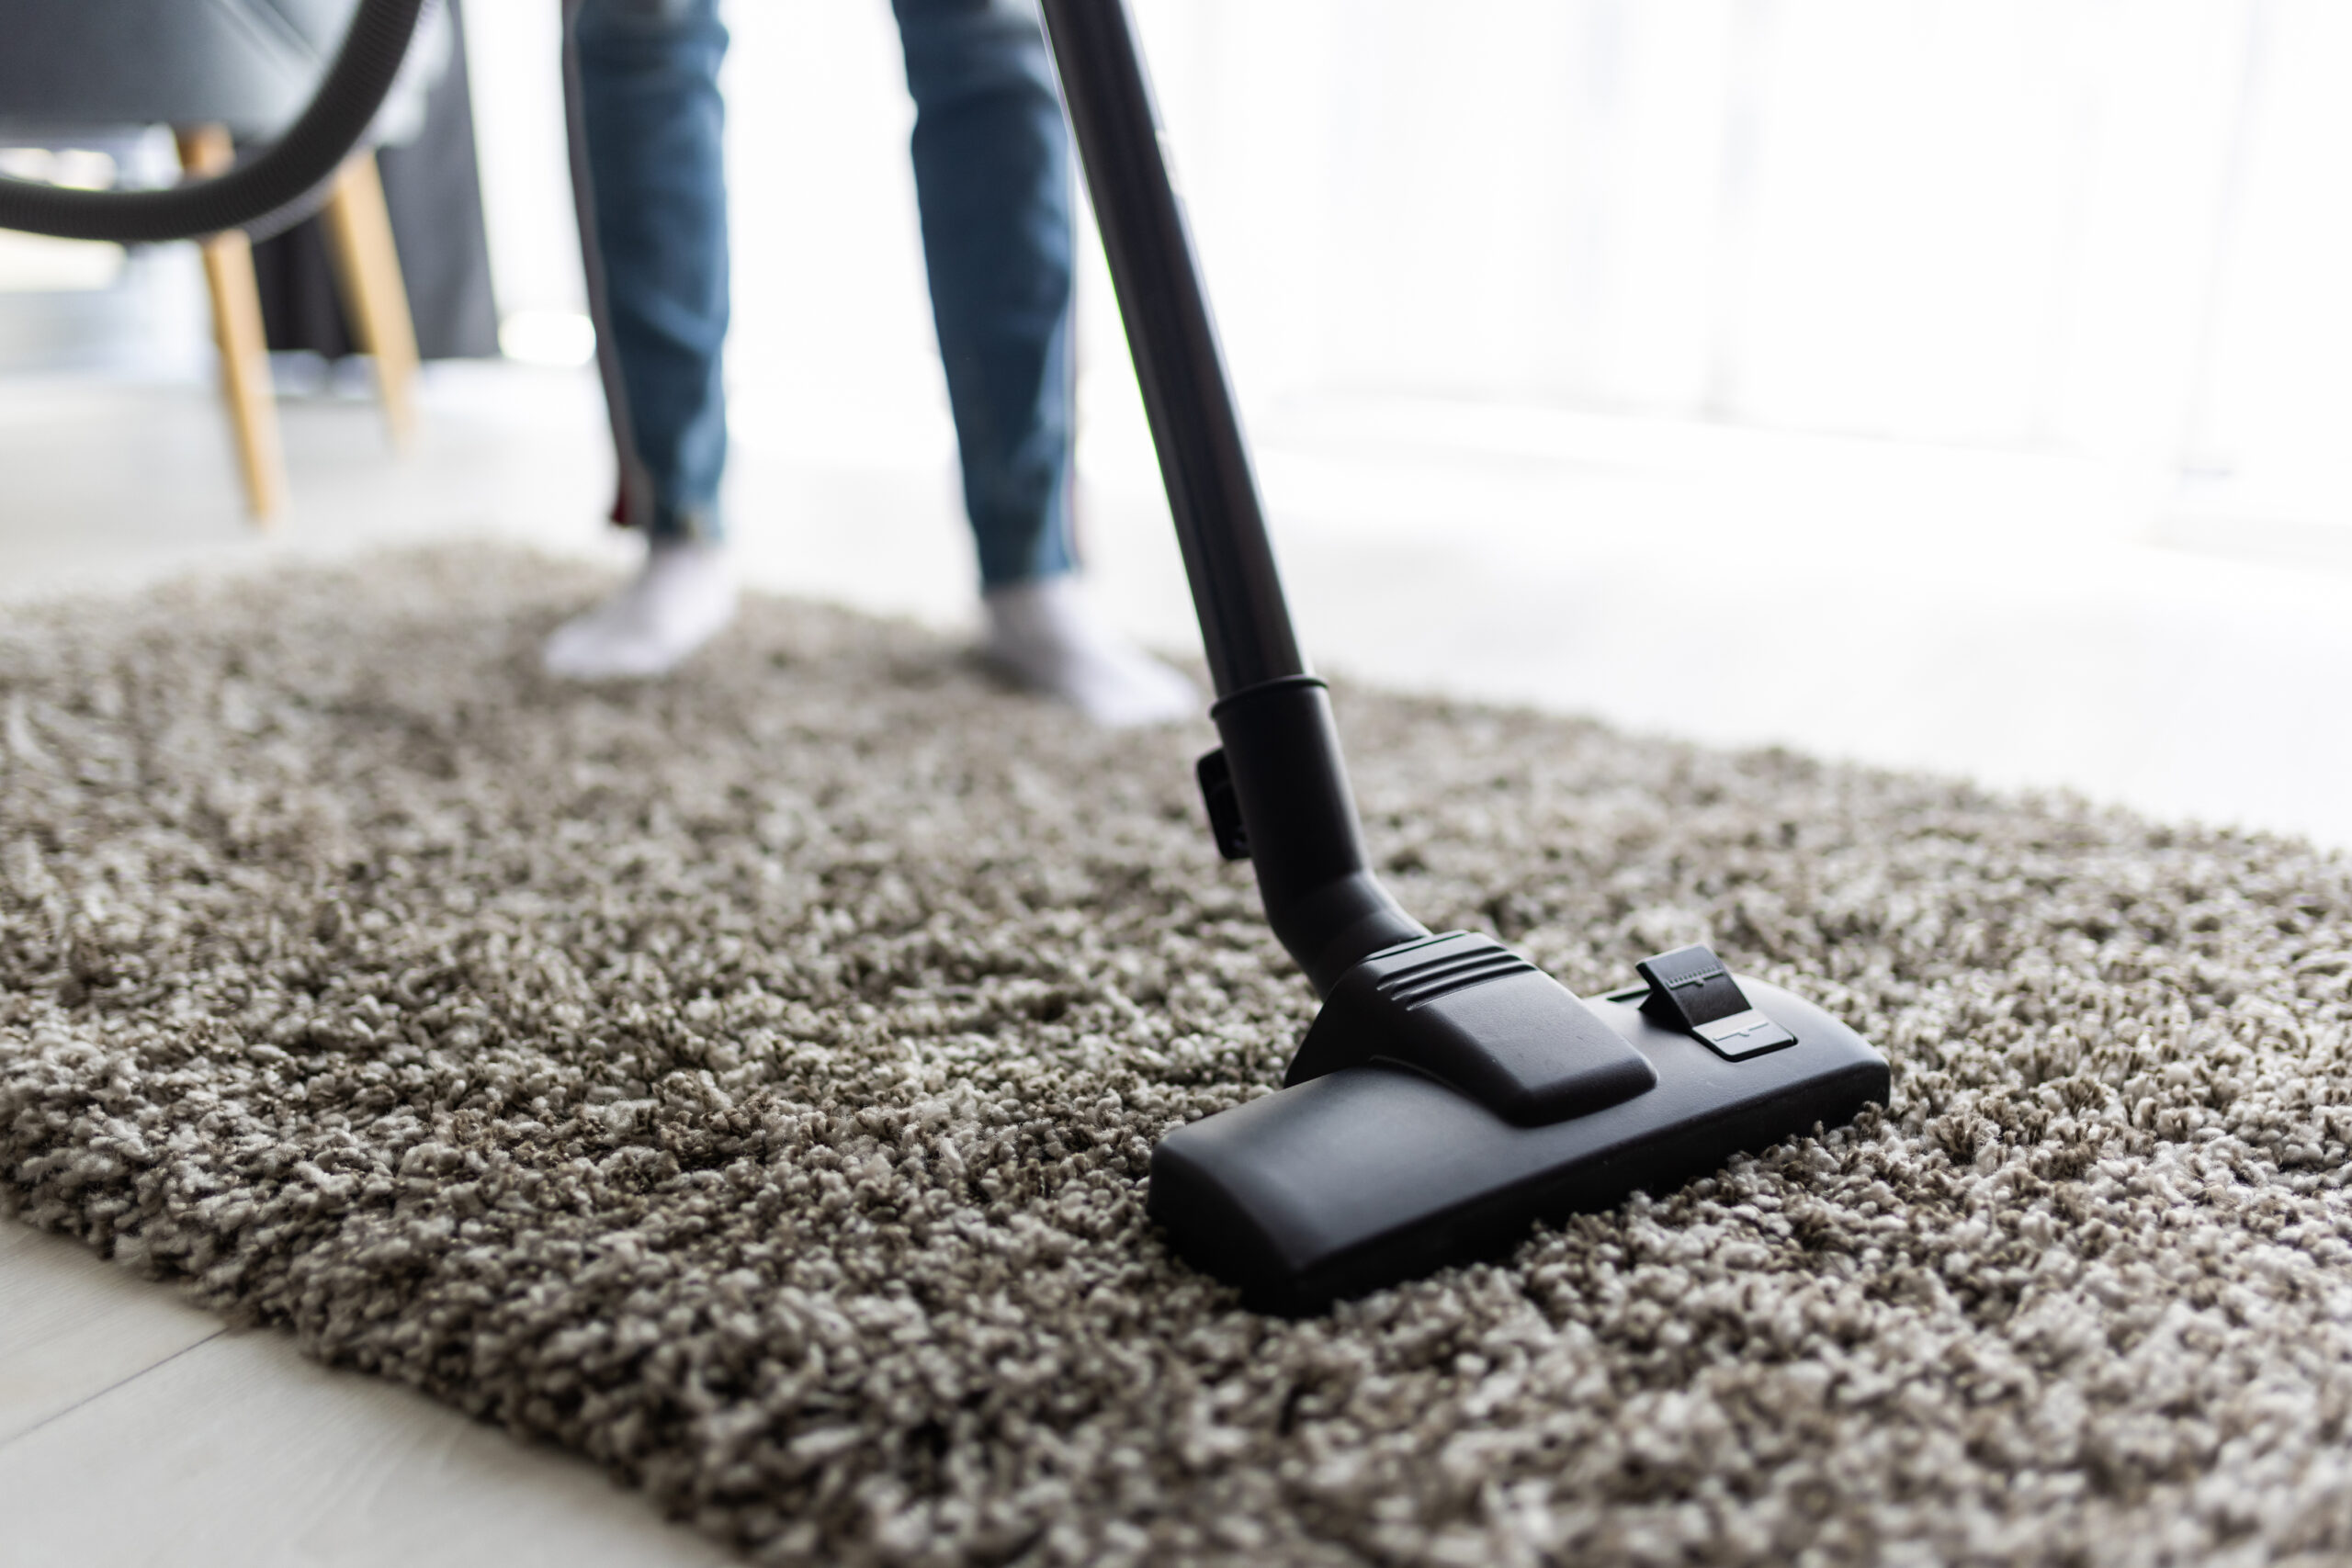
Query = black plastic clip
x=1690 y=989
x=1225 y=805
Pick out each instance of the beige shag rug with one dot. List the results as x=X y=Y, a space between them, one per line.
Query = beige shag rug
x=746 y=1082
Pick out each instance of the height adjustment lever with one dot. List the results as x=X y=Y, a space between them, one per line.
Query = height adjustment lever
x=1691 y=990
x=1224 y=804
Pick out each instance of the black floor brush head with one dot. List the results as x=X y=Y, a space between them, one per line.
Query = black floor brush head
x=1379 y=1172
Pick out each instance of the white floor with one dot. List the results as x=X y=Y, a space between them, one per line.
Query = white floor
x=134 y=1429
x=2000 y=615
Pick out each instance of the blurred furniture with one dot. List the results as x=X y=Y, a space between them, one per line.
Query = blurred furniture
x=368 y=268
x=215 y=72
x=433 y=191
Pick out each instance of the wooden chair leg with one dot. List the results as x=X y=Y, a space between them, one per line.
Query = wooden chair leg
x=236 y=327
x=359 y=233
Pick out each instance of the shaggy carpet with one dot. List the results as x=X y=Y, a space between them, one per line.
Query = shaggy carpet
x=746 y=1081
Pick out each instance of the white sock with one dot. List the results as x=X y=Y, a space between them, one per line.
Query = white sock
x=1044 y=635
x=683 y=598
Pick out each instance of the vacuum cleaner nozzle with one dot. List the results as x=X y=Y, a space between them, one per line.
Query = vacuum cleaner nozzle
x=1359 y=1176
x=1449 y=1092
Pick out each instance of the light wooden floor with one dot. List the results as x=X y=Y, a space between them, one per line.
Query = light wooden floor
x=2004 y=616
x=134 y=1429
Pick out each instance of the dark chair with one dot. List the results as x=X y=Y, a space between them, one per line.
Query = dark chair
x=215 y=71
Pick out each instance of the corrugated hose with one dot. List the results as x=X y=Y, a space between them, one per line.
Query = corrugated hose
x=281 y=177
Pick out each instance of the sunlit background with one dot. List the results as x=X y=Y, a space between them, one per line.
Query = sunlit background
x=2118 y=231
x=1959 y=383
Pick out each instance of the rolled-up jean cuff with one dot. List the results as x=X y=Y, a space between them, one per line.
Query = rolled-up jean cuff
x=703 y=524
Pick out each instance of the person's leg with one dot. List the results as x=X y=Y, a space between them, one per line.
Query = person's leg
x=652 y=182
x=992 y=174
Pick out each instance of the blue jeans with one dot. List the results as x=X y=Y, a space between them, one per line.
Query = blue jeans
x=992 y=180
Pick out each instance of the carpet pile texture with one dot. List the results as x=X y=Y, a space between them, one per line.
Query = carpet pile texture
x=746 y=1081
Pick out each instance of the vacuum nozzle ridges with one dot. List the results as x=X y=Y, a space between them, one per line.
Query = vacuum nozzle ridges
x=1422 y=983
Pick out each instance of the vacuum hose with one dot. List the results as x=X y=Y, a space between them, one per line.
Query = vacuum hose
x=309 y=152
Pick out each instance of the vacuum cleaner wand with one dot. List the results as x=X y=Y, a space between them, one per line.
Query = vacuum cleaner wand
x=1449 y=1092
x=1278 y=791
x=1211 y=489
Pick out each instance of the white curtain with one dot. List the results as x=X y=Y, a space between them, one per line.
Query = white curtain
x=2117 y=226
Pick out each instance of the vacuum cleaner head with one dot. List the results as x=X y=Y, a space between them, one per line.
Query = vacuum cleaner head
x=1451 y=1094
